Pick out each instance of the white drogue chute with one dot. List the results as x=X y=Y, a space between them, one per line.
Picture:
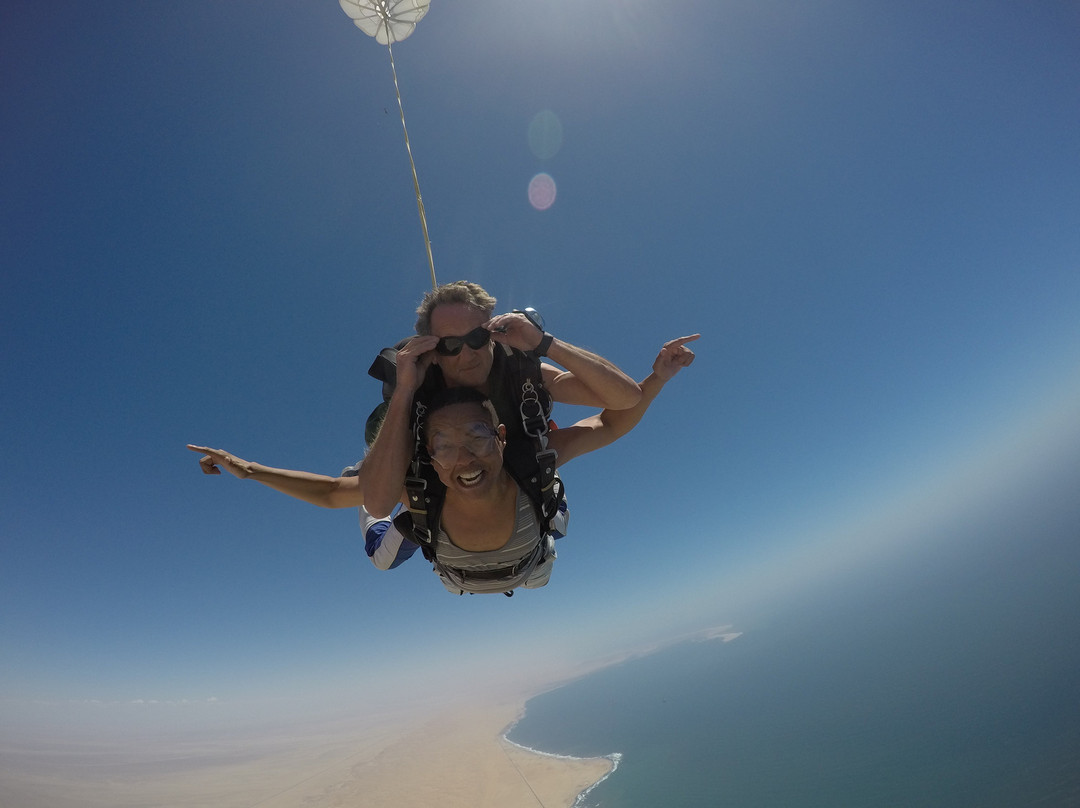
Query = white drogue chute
x=391 y=21
x=386 y=20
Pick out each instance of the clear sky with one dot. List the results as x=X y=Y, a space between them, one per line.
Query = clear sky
x=870 y=211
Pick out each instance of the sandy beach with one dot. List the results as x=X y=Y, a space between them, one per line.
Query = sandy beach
x=453 y=757
x=460 y=758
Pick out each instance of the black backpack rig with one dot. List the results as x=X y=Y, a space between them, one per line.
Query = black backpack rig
x=523 y=405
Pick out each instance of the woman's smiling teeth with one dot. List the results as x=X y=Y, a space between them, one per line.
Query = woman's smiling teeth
x=471 y=478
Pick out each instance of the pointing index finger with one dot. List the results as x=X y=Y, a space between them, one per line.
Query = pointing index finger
x=680 y=341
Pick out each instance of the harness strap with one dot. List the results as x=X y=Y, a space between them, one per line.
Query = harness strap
x=514 y=575
x=502 y=572
x=546 y=482
x=416 y=489
x=416 y=492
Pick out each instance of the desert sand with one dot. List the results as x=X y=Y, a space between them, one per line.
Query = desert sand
x=460 y=758
x=454 y=756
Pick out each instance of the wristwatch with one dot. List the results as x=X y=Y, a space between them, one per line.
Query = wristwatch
x=545 y=343
x=537 y=319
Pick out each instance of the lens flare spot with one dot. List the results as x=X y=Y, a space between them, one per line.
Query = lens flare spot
x=542 y=191
x=545 y=134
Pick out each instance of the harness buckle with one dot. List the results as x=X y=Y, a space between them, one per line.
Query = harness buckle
x=416 y=491
x=533 y=418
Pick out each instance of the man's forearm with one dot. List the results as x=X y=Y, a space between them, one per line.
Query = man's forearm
x=621 y=421
x=596 y=381
x=387 y=462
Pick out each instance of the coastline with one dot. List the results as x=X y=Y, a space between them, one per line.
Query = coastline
x=613 y=764
x=461 y=757
x=414 y=757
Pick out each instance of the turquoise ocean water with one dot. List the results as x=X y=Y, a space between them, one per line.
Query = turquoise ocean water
x=949 y=679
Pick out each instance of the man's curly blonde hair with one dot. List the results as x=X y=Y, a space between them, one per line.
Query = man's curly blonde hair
x=471 y=294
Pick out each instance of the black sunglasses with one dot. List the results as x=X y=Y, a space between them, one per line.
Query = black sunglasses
x=475 y=339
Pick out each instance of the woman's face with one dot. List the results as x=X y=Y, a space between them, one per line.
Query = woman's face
x=465 y=447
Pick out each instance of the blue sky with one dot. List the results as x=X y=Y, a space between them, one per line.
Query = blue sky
x=870 y=211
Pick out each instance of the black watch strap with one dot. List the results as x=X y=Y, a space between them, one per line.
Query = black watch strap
x=545 y=343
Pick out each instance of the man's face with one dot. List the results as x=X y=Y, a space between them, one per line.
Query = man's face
x=466 y=449
x=471 y=367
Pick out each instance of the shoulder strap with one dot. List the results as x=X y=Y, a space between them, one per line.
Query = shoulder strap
x=519 y=394
x=529 y=460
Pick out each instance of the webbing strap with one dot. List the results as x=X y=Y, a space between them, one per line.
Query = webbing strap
x=416 y=492
x=546 y=479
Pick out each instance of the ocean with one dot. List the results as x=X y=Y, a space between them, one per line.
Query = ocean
x=950 y=679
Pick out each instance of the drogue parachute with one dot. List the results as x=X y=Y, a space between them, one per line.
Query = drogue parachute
x=391 y=21
x=386 y=20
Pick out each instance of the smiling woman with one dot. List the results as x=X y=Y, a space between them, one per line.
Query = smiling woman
x=489 y=522
x=446 y=444
x=487 y=536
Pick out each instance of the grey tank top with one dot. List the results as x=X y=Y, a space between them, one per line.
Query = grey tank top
x=521 y=556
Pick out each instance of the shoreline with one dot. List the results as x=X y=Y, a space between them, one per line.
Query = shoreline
x=412 y=757
x=457 y=755
x=615 y=758
x=462 y=757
